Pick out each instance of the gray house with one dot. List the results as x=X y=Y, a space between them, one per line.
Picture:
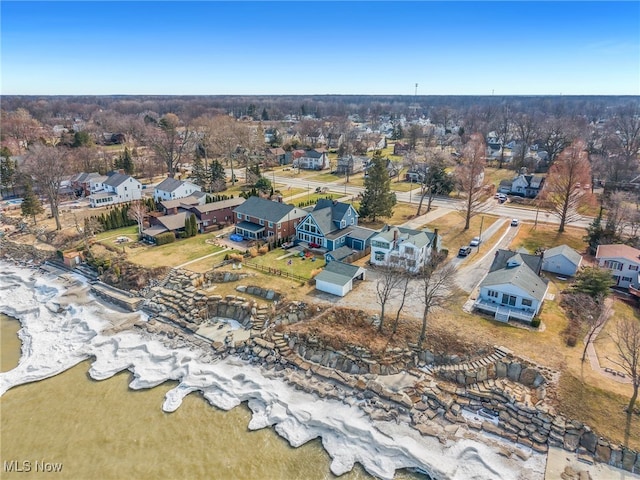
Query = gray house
x=562 y=260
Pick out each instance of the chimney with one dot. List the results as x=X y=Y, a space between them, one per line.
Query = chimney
x=435 y=237
x=395 y=235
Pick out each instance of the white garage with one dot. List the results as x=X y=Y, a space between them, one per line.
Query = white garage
x=337 y=278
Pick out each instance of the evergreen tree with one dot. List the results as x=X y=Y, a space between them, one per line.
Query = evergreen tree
x=594 y=233
x=7 y=170
x=264 y=184
x=377 y=199
x=127 y=162
x=199 y=175
x=31 y=204
x=265 y=114
x=217 y=176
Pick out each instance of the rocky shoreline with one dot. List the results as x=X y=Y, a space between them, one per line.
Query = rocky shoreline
x=439 y=397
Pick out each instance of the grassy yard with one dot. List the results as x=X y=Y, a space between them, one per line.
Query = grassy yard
x=111 y=235
x=401 y=213
x=546 y=236
x=494 y=175
x=451 y=229
x=314 y=197
x=279 y=259
x=173 y=254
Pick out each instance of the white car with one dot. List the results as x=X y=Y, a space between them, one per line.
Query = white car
x=515 y=222
x=475 y=242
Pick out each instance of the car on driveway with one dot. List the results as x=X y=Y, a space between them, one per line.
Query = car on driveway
x=464 y=251
x=475 y=242
x=515 y=222
x=287 y=245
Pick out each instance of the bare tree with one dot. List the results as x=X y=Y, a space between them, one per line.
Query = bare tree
x=137 y=211
x=503 y=129
x=436 y=180
x=556 y=135
x=406 y=291
x=625 y=135
x=48 y=166
x=21 y=128
x=227 y=135
x=563 y=191
x=525 y=126
x=595 y=320
x=170 y=142
x=437 y=288
x=627 y=342
x=390 y=278
x=470 y=177
x=620 y=213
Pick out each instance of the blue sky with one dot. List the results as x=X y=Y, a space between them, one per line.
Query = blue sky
x=296 y=47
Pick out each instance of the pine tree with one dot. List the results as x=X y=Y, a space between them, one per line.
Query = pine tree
x=7 y=169
x=31 y=204
x=127 y=162
x=199 y=175
x=217 y=177
x=377 y=199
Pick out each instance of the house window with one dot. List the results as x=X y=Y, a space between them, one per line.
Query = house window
x=613 y=265
x=526 y=302
x=279 y=226
x=409 y=250
x=262 y=222
x=508 y=299
x=379 y=244
x=633 y=267
x=492 y=293
x=352 y=221
x=379 y=256
x=343 y=223
x=626 y=279
x=270 y=224
x=239 y=216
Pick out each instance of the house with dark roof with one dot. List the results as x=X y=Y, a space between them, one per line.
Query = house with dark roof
x=351 y=164
x=312 y=160
x=403 y=247
x=523 y=185
x=172 y=189
x=331 y=225
x=258 y=218
x=513 y=288
x=80 y=183
x=337 y=278
x=116 y=188
x=561 y=260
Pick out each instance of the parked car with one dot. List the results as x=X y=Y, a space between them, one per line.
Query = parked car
x=475 y=242
x=464 y=251
x=515 y=222
x=287 y=245
x=314 y=245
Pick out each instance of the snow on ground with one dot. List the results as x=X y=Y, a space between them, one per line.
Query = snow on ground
x=63 y=324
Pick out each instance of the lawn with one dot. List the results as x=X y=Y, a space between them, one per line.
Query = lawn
x=313 y=198
x=401 y=213
x=547 y=236
x=279 y=259
x=604 y=344
x=110 y=235
x=174 y=254
x=494 y=175
x=451 y=229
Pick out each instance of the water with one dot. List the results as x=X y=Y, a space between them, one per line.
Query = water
x=105 y=430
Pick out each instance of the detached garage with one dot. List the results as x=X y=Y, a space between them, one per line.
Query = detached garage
x=337 y=278
x=562 y=260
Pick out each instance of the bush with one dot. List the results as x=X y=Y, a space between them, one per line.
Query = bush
x=535 y=323
x=571 y=341
x=263 y=249
x=253 y=252
x=236 y=257
x=444 y=252
x=164 y=238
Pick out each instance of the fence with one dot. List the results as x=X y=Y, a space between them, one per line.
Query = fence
x=275 y=271
x=355 y=256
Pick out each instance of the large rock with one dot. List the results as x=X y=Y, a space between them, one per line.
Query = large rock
x=603 y=453
x=501 y=369
x=628 y=459
x=528 y=376
x=589 y=440
x=513 y=371
x=571 y=442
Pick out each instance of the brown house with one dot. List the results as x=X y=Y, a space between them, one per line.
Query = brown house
x=259 y=218
x=213 y=214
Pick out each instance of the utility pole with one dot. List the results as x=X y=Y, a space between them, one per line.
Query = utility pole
x=481 y=223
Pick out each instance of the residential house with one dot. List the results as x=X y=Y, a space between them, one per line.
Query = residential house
x=337 y=278
x=312 y=160
x=622 y=260
x=275 y=156
x=172 y=189
x=96 y=184
x=333 y=224
x=401 y=148
x=351 y=164
x=513 y=288
x=392 y=168
x=561 y=260
x=522 y=185
x=81 y=183
x=259 y=218
x=334 y=140
x=211 y=215
x=403 y=247
x=171 y=207
x=164 y=224
x=116 y=188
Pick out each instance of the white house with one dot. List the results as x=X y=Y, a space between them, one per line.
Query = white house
x=313 y=160
x=513 y=287
x=116 y=188
x=562 y=260
x=337 y=278
x=172 y=189
x=622 y=260
x=403 y=247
